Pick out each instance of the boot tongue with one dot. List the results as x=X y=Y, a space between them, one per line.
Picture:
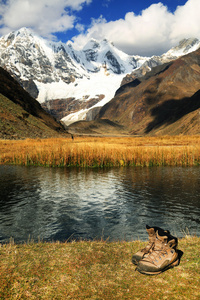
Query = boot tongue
x=150 y=230
x=153 y=230
x=160 y=239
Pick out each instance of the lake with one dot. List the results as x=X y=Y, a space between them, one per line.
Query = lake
x=50 y=204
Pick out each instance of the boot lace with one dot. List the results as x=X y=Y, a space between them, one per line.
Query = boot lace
x=148 y=248
x=157 y=253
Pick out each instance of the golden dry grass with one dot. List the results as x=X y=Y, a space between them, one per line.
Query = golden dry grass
x=93 y=270
x=101 y=152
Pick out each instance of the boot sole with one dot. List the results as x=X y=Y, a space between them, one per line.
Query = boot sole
x=135 y=262
x=174 y=264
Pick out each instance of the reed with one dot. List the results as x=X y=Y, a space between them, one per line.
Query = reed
x=102 y=151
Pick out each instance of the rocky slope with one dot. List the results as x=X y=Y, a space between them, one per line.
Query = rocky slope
x=185 y=46
x=164 y=101
x=21 y=116
x=73 y=84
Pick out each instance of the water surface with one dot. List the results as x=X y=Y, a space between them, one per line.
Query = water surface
x=63 y=204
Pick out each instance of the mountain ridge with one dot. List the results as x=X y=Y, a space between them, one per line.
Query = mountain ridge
x=80 y=81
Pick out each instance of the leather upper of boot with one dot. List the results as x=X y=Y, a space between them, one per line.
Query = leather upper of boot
x=163 y=254
x=149 y=247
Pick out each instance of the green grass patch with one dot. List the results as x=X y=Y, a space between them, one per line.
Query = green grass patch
x=93 y=270
x=16 y=123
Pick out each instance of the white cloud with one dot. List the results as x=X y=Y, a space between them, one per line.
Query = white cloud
x=80 y=27
x=44 y=16
x=186 y=21
x=154 y=31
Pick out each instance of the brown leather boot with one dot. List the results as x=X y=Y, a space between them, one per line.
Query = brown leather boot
x=149 y=247
x=163 y=256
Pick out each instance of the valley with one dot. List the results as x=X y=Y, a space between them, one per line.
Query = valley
x=99 y=90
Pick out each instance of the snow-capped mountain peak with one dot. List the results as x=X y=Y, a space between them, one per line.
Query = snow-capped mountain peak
x=184 y=47
x=52 y=66
x=91 y=44
x=21 y=33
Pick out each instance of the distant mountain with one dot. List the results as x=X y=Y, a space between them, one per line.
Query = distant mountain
x=21 y=116
x=70 y=84
x=51 y=71
x=164 y=101
x=185 y=46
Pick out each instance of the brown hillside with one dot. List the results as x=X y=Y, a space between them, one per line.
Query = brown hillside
x=22 y=116
x=164 y=101
x=97 y=128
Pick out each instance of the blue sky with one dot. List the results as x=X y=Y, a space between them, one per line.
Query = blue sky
x=113 y=10
x=143 y=27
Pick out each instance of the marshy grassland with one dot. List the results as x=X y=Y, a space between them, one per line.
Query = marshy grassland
x=93 y=270
x=97 y=269
x=102 y=151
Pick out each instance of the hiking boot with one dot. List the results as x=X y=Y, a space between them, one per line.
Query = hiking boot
x=163 y=256
x=149 y=247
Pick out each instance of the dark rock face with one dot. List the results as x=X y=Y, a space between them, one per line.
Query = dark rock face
x=91 y=55
x=115 y=66
x=30 y=87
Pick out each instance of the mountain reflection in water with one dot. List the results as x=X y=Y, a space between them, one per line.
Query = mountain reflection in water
x=64 y=204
